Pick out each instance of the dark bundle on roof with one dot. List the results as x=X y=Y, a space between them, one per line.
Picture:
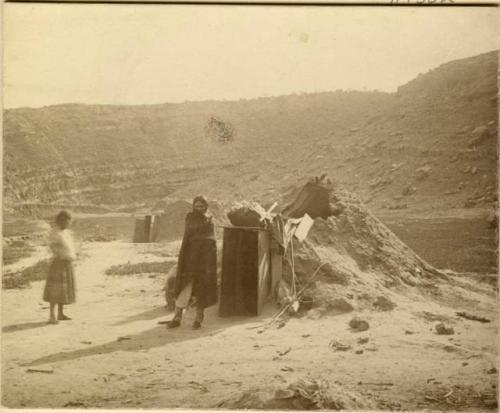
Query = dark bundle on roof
x=247 y=215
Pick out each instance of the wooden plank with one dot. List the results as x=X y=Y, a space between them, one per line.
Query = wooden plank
x=276 y=266
x=147 y=228
x=239 y=227
x=264 y=273
x=155 y=228
x=228 y=268
x=139 y=230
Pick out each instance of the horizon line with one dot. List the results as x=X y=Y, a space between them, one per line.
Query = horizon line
x=234 y=100
x=231 y=100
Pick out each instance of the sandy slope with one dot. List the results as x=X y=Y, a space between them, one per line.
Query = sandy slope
x=158 y=368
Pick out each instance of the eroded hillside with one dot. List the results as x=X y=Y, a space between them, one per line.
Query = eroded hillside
x=432 y=143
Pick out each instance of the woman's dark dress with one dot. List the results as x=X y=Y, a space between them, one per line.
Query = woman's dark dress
x=198 y=260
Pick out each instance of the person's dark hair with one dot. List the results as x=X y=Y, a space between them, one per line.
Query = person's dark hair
x=63 y=216
x=202 y=199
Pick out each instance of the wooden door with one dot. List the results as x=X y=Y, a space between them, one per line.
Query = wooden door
x=239 y=276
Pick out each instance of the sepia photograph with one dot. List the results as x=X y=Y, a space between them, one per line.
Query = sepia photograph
x=242 y=206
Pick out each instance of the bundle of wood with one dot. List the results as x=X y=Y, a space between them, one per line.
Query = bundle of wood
x=249 y=214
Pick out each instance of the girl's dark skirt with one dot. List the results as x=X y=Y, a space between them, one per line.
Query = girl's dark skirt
x=60 y=284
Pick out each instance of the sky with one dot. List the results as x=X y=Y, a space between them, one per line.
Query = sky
x=144 y=54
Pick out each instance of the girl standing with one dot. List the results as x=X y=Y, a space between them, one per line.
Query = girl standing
x=60 y=284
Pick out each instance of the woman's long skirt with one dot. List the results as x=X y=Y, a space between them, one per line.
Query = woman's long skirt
x=60 y=284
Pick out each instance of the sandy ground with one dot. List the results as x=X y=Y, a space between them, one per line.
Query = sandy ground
x=115 y=354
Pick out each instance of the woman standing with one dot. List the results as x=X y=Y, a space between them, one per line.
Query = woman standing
x=60 y=284
x=196 y=278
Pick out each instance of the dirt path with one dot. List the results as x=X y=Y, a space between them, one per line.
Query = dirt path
x=403 y=364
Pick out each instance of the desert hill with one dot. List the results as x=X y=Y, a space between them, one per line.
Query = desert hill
x=432 y=143
x=386 y=329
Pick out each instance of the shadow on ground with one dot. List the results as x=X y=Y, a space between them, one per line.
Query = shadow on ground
x=23 y=326
x=146 y=315
x=157 y=336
